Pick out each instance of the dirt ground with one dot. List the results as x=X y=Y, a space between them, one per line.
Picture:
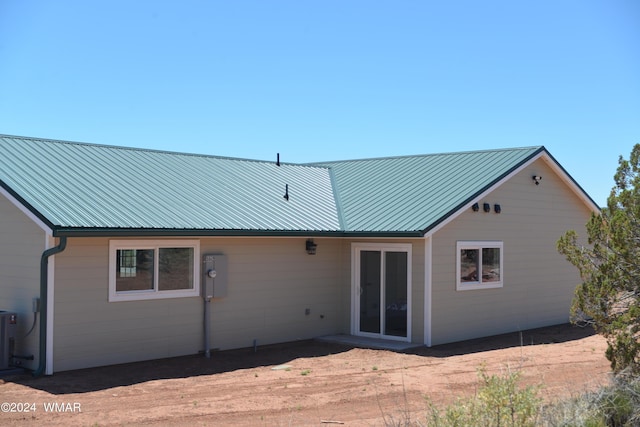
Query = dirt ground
x=302 y=384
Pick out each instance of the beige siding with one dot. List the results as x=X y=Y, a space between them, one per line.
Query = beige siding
x=538 y=281
x=271 y=283
x=417 y=291
x=22 y=245
x=90 y=331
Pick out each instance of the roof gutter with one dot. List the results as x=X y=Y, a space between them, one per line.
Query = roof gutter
x=44 y=280
x=180 y=232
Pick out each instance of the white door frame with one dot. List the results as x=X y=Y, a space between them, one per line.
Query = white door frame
x=356 y=248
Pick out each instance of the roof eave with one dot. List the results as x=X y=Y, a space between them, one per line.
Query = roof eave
x=487 y=188
x=573 y=184
x=26 y=208
x=541 y=152
x=173 y=232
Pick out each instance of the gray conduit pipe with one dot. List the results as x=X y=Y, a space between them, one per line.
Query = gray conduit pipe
x=44 y=279
x=207 y=323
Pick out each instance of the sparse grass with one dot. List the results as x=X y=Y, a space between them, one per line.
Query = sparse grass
x=501 y=402
x=617 y=405
x=305 y=372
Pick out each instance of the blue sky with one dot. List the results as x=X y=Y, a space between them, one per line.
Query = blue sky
x=326 y=80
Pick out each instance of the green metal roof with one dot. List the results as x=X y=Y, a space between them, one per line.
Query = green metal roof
x=415 y=193
x=87 y=189
x=84 y=187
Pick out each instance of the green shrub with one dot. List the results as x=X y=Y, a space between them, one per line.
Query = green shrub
x=619 y=404
x=615 y=406
x=499 y=402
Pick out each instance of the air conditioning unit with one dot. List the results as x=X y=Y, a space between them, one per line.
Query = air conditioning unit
x=8 y=326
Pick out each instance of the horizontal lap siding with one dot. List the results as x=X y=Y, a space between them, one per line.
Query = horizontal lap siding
x=538 y=281
x=417 y=291
x=22 y=244
x=270 y=284
x=91 y=331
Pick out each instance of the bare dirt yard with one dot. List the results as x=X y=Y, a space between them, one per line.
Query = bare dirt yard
x=306 y=383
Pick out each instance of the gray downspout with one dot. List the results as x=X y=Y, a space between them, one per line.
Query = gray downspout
x=44 y=279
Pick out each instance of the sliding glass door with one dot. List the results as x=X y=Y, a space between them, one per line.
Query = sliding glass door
x=382 y=290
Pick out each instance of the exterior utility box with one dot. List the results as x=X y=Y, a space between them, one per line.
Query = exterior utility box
x=8 y=325
x=214 y=276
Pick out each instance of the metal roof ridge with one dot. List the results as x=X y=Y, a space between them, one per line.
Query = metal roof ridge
x=408 y=156
x=337 y=199
x=157 y=151
x=319 y=164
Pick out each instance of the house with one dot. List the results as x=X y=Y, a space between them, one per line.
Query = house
x=117 y=254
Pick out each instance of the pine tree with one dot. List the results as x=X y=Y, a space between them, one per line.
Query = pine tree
x=609 y=266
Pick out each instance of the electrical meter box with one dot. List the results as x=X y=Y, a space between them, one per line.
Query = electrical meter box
x=214 y=276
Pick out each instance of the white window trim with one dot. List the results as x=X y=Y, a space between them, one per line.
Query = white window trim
x=115 y=245
x=476 y=244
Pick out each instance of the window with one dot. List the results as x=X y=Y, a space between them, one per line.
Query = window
x=479 y=265
x=141 y=269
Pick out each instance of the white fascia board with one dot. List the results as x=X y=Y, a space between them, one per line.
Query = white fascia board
x=550 y=162
x=567 y=179
x=27 y=212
